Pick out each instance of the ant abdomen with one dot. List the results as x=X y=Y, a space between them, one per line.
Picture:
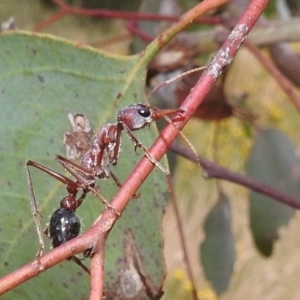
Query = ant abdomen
x=64 y=226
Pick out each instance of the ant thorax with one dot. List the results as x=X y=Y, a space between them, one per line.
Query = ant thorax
x=104 y=151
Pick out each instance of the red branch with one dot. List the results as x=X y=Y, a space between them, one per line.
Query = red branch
x=133 y=28
x=133 y=16
x=52 y=19
x=65 y=9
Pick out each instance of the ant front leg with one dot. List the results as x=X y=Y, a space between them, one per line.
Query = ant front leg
x=138 y=144
x=137 y=116
x=119 y=184
x=79 y=263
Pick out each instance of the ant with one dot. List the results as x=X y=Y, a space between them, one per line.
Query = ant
x=95 y=164
x=105 y=149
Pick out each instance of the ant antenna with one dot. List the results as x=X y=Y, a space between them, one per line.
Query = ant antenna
x=184 y=137
x=172 y=80
x=165 y=116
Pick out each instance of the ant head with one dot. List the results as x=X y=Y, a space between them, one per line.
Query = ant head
x=136 y=116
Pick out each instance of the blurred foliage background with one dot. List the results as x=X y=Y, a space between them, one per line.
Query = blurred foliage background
x=228 y=141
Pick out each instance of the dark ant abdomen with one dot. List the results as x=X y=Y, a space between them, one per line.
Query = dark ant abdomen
x=64 y=226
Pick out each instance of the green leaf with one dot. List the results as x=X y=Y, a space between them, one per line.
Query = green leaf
x=217 y=251
x=273 y=161
x=42 y=79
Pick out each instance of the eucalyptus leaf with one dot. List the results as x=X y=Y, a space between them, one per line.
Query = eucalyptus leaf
x=273 y=160
x=42 y=79
x=217 y=252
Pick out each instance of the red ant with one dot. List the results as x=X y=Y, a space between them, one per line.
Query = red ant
x=95 y=164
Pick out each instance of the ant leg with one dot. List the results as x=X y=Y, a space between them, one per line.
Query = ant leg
x=119 y=184
x=36 y=215
x=138 y=144
x=82 y=176
x=78 y=262
x=63 y=179
x=105 y=202
x=115 y=179
x=34 y=208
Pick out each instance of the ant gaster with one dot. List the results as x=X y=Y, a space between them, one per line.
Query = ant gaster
x=65 y=225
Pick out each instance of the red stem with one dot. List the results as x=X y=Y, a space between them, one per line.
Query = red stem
x=133 y=16
x=134 y=29
x=59 y=15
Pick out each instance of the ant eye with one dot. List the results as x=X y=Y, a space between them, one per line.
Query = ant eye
x=144 y=112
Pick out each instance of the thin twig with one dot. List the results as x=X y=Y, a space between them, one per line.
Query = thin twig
x=133 y=28
x=110 y=41
x=213 y=170
x=132 y=16
x=185 y=21
x=282 y=81
x=52 y=19
x=182 y=237
x=66 y=9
